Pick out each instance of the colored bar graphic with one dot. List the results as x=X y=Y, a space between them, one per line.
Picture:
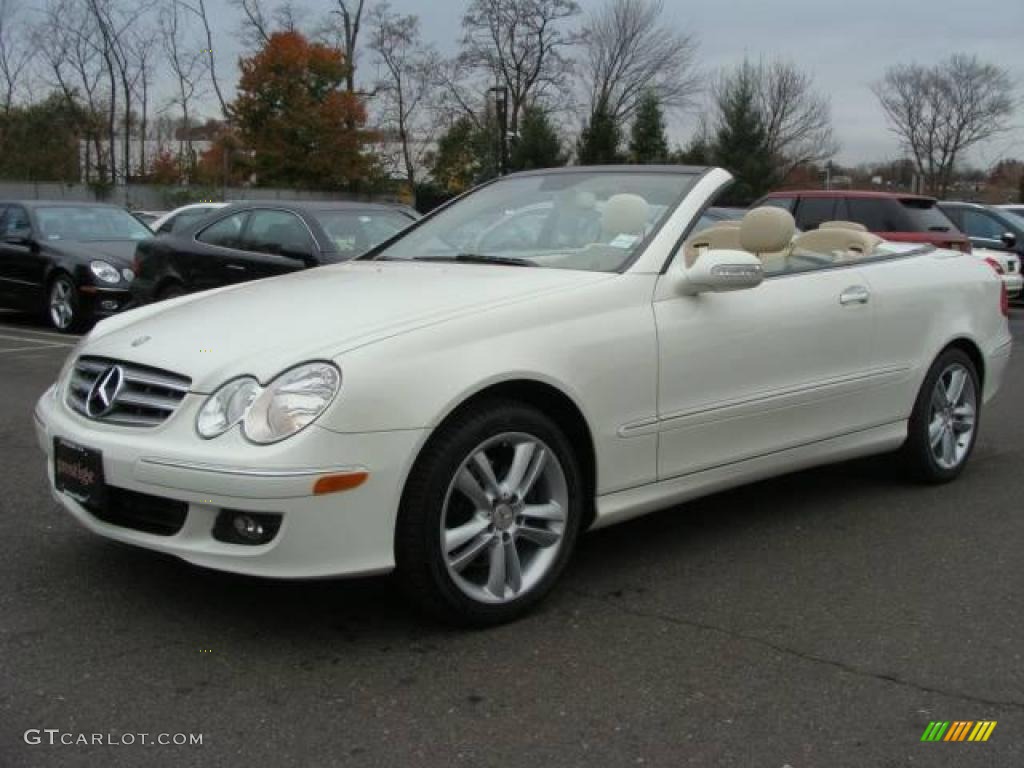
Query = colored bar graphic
x=958 y=730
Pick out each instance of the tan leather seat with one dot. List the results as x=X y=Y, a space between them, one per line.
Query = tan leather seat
x=843 y=225
x=841 y=244
x=712 y=238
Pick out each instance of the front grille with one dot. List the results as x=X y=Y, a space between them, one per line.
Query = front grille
x=141 y=512
x=146 y=398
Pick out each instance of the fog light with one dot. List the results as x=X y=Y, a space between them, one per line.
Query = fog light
x=109 y=306
x=251 y=528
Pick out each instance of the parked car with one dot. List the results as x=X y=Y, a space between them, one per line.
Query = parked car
x=461 y=415
x=999 y=232
x=148 y=217
x=183 y=217
x=1016 y=209
x=895 y=217
x=248 y=241
x=68 y=261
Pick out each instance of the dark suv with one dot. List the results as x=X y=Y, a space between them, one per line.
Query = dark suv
x=901 y=218
x=988 y=227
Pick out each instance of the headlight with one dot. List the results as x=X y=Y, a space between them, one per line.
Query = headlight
x=226 y=407
x=291 y=402
x=106 y=272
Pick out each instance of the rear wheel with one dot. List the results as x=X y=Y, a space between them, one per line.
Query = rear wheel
x=944 y=424
x=490 y=515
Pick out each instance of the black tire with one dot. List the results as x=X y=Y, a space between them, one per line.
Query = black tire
x=421 y=566
x=917 y=454
x=63 y=308
x=171 y=291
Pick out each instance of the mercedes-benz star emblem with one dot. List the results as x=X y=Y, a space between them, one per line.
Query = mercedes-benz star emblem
x=104 y=392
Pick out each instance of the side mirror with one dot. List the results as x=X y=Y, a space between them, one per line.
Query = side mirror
x=1009 y=240
x=720 y=271
x=19 y=237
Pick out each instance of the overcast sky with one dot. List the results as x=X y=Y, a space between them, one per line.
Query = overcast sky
x=846 y=45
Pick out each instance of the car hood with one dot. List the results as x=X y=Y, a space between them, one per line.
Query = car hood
x=262 y=327
x=117 y=252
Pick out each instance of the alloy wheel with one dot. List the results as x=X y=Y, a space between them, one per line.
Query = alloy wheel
x=952 y=416
x=504 y=517
x=62 y=310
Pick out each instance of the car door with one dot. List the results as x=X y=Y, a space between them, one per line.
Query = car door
x=753 y=372
x=21 y=266
x=213 y=257
x=276 y=241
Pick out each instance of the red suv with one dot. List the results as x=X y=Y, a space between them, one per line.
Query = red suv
x=903 y=218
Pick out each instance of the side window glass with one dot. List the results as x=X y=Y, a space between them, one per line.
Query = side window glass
x=812 y=211
x=279 y=233
x=225 y=233
x=978 y=224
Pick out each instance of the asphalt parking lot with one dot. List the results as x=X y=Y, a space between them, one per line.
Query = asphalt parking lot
x=822 y=619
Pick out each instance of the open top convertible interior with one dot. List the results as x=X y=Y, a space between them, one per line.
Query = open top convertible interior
x=597 y=221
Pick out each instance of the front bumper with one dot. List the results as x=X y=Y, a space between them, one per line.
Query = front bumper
x=101 y=302
x=336 y=534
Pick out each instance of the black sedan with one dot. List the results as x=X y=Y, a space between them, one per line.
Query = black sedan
x=68 y=261
x=248 y=241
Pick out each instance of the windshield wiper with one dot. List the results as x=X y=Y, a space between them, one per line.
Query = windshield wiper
x=481 y=258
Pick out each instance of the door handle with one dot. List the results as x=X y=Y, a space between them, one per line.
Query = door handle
x=855 y=294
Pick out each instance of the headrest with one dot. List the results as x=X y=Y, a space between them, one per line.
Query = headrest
x=625 y=214
x=843 y=225
x=766 y=229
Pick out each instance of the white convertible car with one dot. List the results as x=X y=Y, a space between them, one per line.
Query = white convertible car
x=554 y=351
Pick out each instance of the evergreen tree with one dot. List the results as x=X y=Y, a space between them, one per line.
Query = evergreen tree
x=538 y=145
x=600 y=140
x=741 y=139
x=1020 y=190
x=648 y=143
x=699 y=151
x=466 y=155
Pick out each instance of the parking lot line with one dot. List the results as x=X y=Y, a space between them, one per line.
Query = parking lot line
x=39 y=342
x=33 y=333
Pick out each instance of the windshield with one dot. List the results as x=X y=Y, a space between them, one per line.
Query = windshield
x=355 y=232
x=85 y=223
x=587 y=220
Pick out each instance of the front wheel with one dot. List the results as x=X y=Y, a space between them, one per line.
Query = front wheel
x=63 y=305
x=490 y=515
x=944 y=423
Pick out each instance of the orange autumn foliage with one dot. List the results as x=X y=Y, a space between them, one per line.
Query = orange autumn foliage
x=294 y=117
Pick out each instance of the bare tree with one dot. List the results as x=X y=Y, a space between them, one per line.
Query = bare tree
x=188 y=63
x=406 y=88
x=349 y=15
x=260 y=22
x=520 y=44
x=142 y=50
x=631 y=49
x=797 y=119
x=68 y=41
x=15 y=53
x=198 y=8
x=939 y=112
